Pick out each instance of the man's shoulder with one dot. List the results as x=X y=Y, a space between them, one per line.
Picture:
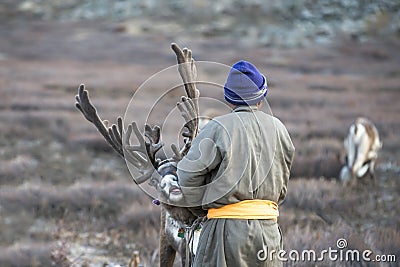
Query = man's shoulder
x=278 y=123
x=265 y=117
x=221 y=120
x=234 y=119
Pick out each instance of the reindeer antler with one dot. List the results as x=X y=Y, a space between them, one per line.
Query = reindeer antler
x=111 y=134
x=142 y=156
x=189 y=107
x=187 y=70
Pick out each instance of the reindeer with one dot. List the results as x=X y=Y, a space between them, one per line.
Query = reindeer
x=362 y=145
x=160 y=173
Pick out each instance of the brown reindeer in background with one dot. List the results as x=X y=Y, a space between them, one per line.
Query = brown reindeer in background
x=362 y=145
x=160 y=173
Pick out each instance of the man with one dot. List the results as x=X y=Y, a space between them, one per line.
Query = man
x=236 y=172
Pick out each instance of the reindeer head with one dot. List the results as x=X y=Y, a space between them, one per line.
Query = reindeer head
x=168 y=184
x=160 y=174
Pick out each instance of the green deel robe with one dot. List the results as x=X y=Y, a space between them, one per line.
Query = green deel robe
x=246 y=154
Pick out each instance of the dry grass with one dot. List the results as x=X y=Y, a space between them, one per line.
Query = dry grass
x=95 y=199
x=26 y=255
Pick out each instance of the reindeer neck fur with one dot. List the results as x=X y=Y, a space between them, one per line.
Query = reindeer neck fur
x=182 y=215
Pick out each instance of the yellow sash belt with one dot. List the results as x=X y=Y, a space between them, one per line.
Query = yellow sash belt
x=252 y=209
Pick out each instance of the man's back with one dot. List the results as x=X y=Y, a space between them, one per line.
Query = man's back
x=247 y=148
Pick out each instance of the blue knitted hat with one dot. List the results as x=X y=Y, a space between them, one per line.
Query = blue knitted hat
x=245 y=85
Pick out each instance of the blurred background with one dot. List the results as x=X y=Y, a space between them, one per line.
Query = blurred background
x=67 y=199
